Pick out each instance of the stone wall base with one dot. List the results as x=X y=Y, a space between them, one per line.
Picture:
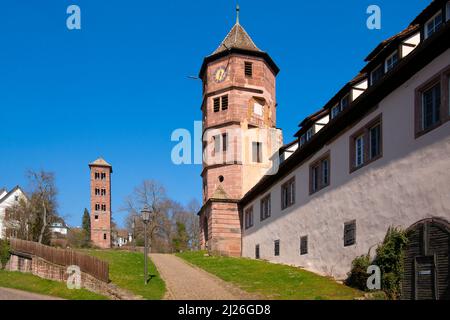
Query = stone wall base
x=46 y=270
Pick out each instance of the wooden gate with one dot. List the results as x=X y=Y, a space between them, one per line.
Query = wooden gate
x=426 y=261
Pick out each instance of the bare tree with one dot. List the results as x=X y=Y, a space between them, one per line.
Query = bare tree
x=152 y=194
x=193 y=226
x=43 y=201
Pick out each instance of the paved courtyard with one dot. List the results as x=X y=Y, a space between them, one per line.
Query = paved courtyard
x=13 y=294
x=186 y=282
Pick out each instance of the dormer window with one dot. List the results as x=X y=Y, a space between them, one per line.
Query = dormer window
x=309 y=134
x=345 y=102
x=302 y=140
x=335 y=111
x=433 y=25
x=391 y=62
x=448 y=11
x=376 y=75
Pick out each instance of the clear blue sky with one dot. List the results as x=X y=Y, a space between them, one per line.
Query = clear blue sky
x=119 y=87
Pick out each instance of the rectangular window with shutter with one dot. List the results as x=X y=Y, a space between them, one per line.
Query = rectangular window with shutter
x=224 y=102
x=216 y=104
x=304 y=245
x=350 y=233
x=248 y=66
x=277 y=248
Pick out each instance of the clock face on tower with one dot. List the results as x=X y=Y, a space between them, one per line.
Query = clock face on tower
x=220 y=74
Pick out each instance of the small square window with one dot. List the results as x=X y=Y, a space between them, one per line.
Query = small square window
x=350 y=233
x=277 y=248
x=304 y=245
x=96 y=217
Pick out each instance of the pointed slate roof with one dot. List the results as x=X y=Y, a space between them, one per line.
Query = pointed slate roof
x=237 y=38
x=100 y=162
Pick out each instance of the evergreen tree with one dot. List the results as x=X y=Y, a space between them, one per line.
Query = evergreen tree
x=86 y=224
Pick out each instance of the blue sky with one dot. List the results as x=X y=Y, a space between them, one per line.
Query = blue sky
x=119 y=87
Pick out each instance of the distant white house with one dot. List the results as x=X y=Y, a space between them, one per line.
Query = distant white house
x=59 y=228
x=7 y=200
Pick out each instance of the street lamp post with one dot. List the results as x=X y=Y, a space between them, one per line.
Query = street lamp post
x=146 y=219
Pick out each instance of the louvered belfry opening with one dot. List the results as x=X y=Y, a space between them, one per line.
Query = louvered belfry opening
x=248 y=66
x=426 y=261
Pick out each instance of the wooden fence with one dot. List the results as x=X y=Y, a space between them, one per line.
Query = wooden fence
x=64 y=257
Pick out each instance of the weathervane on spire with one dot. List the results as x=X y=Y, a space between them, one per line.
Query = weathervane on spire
x=237 y=13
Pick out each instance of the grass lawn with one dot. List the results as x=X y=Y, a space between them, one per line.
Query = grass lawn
x=126 y=270
x=31 y=283
x=273 y=281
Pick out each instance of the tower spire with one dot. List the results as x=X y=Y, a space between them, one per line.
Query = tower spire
x=238 y=9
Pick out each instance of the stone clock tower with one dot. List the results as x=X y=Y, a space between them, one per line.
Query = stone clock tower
x=240 y=139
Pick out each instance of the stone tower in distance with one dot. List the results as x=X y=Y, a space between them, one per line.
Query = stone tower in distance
x=101 y=203
x=239 y=130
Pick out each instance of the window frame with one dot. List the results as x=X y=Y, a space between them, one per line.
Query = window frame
x=433 y=19
x=248 y=223
x=259 y=153
x=316 y=181
x=290 y=188
x=303 y=245
x=266 y=215
x=333 y=114
x=442 y=77
x=276 y=248
x=248 y=66
x=346 y=225
x=364 y=132
x=381 y=67
x=386 y=66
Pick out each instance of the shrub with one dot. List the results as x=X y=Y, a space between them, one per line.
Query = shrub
x=357 y=277
x=389 y=257
x=4 y=253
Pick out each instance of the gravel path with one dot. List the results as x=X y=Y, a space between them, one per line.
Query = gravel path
x=186 y=282
x=13 y=294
